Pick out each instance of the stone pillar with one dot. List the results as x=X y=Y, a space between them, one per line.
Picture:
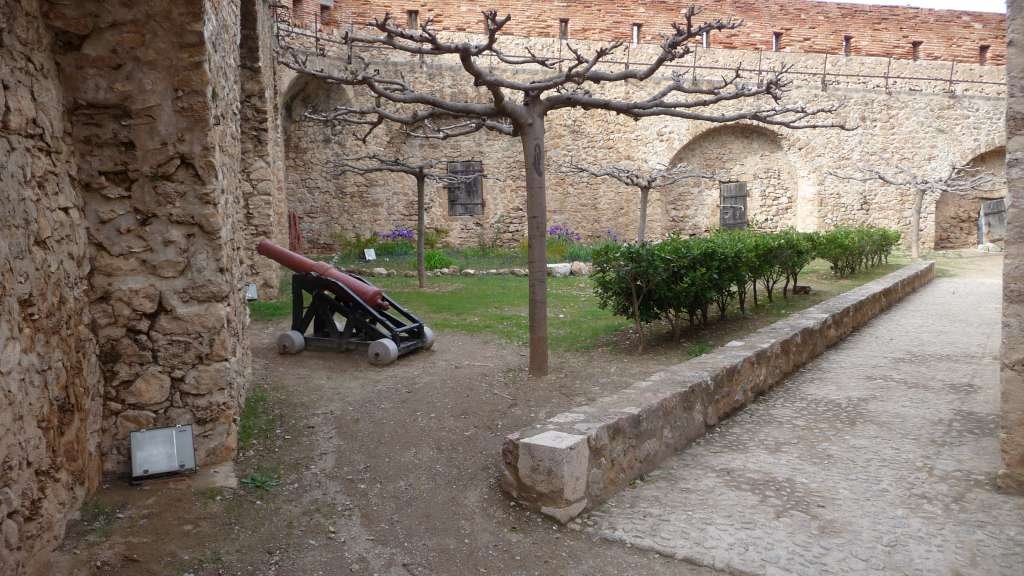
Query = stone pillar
x=1011 y=478
x=262 y=169
x=152 y=94
x=50 y=380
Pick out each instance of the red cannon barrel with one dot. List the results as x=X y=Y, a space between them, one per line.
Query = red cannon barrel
x=372 y=295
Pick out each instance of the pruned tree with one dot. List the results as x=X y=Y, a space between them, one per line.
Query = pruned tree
x=957 y=179
x=422 y=171
x=644 y=180
x=517 y=105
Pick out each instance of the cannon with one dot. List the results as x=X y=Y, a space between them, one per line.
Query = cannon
x=321 y=293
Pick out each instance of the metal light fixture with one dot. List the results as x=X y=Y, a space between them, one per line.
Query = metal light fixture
x=162 y=451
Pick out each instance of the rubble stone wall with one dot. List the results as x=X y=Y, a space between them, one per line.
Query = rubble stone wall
x=50 y=379
x=152 y=95
x=262 y=179
x=924 y=125
x=1012 y=420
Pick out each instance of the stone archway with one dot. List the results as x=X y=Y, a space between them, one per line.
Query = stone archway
x=310 y=150
x=956 y=215
x=738 y=153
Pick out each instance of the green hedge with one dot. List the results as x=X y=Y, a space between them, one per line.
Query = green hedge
x=684 y=279
x=849 y=250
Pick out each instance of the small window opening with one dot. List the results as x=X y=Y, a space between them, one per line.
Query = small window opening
x=705 y=39
x=412 y=19
x=636 y=34
x=983 y=54
x=847 y=45
x=776 y=41
x=563 y=29
x=915 y=49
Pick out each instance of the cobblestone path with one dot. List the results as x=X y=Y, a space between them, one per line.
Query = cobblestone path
x=877 y=458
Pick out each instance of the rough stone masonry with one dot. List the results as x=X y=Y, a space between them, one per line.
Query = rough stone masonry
x=122 y=244
x=1012 y=420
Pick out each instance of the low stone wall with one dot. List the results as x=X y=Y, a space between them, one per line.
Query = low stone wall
x=578 y=459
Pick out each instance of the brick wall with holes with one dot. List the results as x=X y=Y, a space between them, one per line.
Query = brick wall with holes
x=791 y=26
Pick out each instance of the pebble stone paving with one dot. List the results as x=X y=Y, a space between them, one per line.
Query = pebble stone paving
x=879 y=457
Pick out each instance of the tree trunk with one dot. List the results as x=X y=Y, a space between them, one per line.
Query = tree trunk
x=421 y=225
x=915 y=225
x=532 y=137
x=641 y=229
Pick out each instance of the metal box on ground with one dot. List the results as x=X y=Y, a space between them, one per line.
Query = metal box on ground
x=162 y=451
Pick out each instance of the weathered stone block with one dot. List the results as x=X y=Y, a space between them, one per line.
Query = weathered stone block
x=152 y=387
x=553 y=467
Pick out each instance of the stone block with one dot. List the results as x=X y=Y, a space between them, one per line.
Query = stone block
x=152 y=387
x=553 y=466
x=559 y=270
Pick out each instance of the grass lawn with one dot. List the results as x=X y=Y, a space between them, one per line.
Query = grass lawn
x=498 y=305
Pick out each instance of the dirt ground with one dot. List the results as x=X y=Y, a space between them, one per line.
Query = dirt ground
x=382 y=471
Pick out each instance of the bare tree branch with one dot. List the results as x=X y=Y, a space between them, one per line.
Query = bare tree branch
x=958 y=179
x=657 y=177
x=643 y=180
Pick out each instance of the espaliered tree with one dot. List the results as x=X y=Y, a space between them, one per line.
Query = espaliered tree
x=956 y=180
x=422 y=172
x=643 y=180
x=517 y=104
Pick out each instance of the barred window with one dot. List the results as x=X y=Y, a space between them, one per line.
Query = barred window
x=466 y=196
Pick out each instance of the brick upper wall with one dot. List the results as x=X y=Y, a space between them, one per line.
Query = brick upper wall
x=806 y=26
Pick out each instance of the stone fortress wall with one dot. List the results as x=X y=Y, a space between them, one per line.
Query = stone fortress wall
x=901 y=118
x=126 y=221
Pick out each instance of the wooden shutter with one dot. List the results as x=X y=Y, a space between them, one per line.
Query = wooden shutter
x=466 y=197
x=733 y=205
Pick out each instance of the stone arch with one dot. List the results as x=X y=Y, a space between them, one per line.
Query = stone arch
x=737 y=152
x=956 y=215
x=304 y=92
x=310 y=150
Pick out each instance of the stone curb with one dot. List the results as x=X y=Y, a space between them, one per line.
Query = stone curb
x=578 y=459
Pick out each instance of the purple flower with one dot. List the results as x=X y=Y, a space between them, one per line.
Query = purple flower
x=563 y=232
x=611 y=236
x=396 y=234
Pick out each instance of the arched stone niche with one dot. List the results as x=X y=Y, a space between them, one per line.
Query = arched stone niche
x=738 y=153
x=956 y=214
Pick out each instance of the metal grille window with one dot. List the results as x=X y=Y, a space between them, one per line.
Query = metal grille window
x=563 y=29
x=776 y=41
x=466 y=195
x=847 y=45
x=733 y=207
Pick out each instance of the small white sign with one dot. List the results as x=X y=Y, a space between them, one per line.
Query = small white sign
x=370 y=254
x=251 y=293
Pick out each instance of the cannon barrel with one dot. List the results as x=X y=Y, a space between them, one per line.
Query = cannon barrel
x=370 y=294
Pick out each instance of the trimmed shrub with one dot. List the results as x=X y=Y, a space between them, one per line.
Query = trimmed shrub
x=849 y=250
x=680 y=279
